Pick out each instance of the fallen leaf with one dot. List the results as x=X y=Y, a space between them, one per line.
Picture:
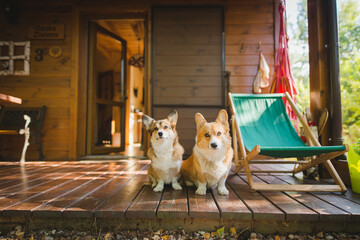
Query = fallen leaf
x=320 y=235
x=277 y=237
x=206 y=235
x=159 y=232
x=20 y=235
x=156 y=237
x=165 y=237
x=220 y=231
x=107 y=236
x=233 y=231
x=284 y=223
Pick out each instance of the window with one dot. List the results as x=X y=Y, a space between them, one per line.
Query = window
x=15 y=58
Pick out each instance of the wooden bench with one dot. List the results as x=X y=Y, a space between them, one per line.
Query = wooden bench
x=12 y=120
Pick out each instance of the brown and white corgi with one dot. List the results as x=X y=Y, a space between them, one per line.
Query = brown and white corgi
x=210 y=162
x=165 y=151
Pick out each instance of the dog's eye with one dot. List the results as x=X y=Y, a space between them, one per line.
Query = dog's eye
x=156 y=129
x=218 y=133
x=207 y=135
x=165 y=127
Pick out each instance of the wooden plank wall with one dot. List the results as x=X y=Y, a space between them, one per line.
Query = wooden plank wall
x=247 y=23
x=187 y=56
x=54 y=81
x=48 y=83
x=187 y=67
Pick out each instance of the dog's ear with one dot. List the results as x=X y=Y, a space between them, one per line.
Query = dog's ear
x=200 y=120
x=173 y=117
x=222 y=118
x=147 y=121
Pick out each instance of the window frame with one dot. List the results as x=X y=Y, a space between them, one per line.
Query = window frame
x=10 y=58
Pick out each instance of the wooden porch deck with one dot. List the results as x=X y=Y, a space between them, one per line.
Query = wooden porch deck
x=113 y=194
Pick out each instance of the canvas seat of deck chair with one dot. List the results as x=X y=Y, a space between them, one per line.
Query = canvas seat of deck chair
x=263 y=127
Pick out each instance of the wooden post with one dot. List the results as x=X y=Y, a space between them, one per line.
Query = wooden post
x=318 y=62
x=334 y=78
x=324 y=76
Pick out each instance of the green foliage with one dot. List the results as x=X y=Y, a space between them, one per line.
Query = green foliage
x=349 y=35
x=356 y=146
x=299 y=52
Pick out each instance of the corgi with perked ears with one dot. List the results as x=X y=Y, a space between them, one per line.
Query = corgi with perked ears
x=165 y=151
x=210 y=162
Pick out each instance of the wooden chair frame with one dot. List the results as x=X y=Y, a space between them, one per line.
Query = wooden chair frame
x=248 y=156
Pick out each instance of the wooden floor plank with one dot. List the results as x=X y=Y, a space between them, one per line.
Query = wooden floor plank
x=115 y=189
x=145 y=205
x=293 y=210
x=173 y=203
x=261 y=208
x=25 y=173
x=29 y=182
x=25 y=207
x=327 y=211
x=56 y=207
x=350 y=195
x=274 y=167
x=342 y=203
x=119 y=202
x=28 y=192
x=87 y=205
x=231 y=206
x=202 y=206
x=7 y=171
x=349 y=202
x=35 y=179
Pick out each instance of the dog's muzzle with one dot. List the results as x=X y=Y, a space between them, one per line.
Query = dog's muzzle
x=213 y=145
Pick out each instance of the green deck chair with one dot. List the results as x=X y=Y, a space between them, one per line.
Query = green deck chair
x=261 y=124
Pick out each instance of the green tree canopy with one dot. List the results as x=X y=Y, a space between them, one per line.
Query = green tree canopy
x=349 y=35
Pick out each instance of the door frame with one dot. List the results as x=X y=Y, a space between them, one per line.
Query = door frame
x=81 y=80
x=91 y=124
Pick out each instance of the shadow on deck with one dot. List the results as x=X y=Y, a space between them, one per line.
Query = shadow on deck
x=114 y=194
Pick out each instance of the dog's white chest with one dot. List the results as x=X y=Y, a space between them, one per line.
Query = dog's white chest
x=163 y=160
x=213 y=169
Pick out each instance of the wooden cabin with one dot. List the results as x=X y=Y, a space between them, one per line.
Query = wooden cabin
x=193 y=52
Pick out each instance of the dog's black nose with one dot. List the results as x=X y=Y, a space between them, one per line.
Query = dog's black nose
x=160 y=134
x=213 y=145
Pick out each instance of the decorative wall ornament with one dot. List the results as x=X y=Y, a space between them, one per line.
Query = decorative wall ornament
x=26 y=132
x=47 y=31
x=9 y=55
x=55 y=51
x=137 y=60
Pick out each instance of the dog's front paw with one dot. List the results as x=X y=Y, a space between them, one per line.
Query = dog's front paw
x=176 y=186
x=159 y=188
x=223 y=191
x=201 y=191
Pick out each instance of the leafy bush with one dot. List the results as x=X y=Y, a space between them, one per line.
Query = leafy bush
x=356 y=146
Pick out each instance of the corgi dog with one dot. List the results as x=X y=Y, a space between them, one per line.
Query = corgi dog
x=165 y=151
x=210 y=162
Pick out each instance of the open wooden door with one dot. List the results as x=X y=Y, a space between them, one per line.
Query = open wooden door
x=187 y=66
x=106 y=92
